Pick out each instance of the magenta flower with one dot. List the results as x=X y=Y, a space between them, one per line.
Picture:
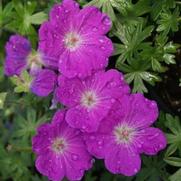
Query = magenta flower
x=20 y=57
x=126 y=133
x=74 y=40
x=60 y=150
x=43 y=82
x=17 y=50
x=89 y=100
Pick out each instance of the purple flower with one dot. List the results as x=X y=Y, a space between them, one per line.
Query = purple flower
x=20 y=57
x=43 y=82
x=17 y=50
x=61 y=151
x=89 y=100
x=74 y=40
x=126 y=133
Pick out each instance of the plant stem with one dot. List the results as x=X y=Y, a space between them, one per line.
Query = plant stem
x=19 y=149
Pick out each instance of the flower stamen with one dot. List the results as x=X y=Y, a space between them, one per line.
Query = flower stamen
x=72 y=41
x=124 y=134
x=89 y=99
x=58 y=145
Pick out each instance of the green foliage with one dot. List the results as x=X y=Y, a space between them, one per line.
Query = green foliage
x=22 y=82
x=168 y=21
x=2 y=99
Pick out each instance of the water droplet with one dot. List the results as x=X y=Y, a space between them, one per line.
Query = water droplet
x=57 y=16
x=66 y=11
x=135 y=170
x=101 y=65
x=76 y=4
x=99 y=142
x=81 y=171
x=113 y=84
x=83 y=127
x=74 y=157
x=153 y=104
x=92 y=161
x=79 y=75
x=106 y=21
x=103 y=48
x=101 y=40
x=92 y=137
x=113 y=100
x=95 y=29
x=142 y=131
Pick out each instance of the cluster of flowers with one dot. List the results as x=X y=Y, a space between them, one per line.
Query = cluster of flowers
x=102 y=118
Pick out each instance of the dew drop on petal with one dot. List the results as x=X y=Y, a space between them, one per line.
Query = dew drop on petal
x=135 y=170
x=106 y=21
x=92 y=137
x=101 y=40
x=103 y=48
x=66 y=11
x=94 y=29
x=83 y=127
x=74 y=157
x=92 y=161
x=99 y=142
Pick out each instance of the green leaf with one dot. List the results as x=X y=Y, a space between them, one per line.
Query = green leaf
x=173 y=161
x=132 y=38
x=159 y=5
x=38 y=18
x=168 y=21
x=2 y=99
x=170 y=150
x=176 y=176
x=22 y=82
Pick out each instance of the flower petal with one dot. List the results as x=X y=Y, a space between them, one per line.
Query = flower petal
x=96 y=144
x=44 y=82
x=17 y=50
x=68 y=88
x=92 y=20
x=78 y=117
x=139 y=111
x=122 y=160
x=153 y=140
x=51 y=166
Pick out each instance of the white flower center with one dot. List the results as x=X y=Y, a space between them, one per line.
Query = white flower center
x=34 y=60
x=72 y=41
x=124 y=134
x=89 y=99
x=58 y=145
